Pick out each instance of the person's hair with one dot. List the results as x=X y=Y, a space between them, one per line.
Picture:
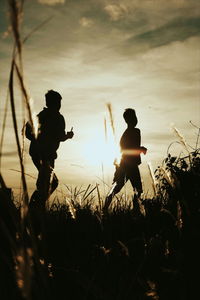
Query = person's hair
x=53 y=99
x=130 y=116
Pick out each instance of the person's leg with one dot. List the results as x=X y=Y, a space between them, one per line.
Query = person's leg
x=119 y=181
x=35 y=195
x=43 y=182
x=135 y=179
x=37 y=162
x=45 y=185
x=54 y=184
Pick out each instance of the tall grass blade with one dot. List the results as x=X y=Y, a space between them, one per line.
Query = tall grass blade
x=86 y=190
x=32 y=117
x=99 y=197
x=71 y=207
x=36 y=29
x=3 y=127
x=181 y=138
x=15 y=10
x=105 y=130
x=198 y=135
x=109 y=107
x=152 y=178
x=86 y=196
x=12 y=102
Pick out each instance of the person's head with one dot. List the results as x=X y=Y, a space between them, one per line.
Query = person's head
x=130 y=117
x=53 y=100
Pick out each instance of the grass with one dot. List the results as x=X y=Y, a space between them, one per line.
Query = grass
x=73 y=251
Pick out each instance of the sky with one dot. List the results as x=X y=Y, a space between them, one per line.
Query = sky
x=130 y=53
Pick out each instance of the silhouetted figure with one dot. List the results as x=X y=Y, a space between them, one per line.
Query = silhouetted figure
x=131 y=150
x=51 y=131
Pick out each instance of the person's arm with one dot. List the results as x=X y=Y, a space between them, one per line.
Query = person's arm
x=29 y=132
x=63 y=135
x=141 y=148
x=68 y=135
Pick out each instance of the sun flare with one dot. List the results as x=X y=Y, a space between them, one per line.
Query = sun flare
x=101 y=152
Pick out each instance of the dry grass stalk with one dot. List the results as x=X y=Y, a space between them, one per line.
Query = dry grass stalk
x=99 y=197
x=16 y=10
x=31 y=116
x=71 y=207
x=86 y=191
x=90 y=192
x=181 y=138
x=109 y=107
x=12 y=102
x=103 y=178
x=168 y=176
x=105 y=130
x=36 y=29
x=152 y=178
x=4 y=126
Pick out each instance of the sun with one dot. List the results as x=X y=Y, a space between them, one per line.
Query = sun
x=101 y=152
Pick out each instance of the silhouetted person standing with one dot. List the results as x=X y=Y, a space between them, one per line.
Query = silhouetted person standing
x=131 y=150
x=51 y=131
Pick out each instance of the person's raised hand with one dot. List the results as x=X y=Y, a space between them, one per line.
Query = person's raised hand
x=70 y=134
x=143 y=150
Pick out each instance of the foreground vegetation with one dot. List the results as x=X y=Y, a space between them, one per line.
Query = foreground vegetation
x=148 y=249
x=141 y=249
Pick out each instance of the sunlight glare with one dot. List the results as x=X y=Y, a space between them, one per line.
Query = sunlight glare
x=102 y=152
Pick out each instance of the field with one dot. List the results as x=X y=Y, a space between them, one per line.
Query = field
x=139 y=249
x=148 y=249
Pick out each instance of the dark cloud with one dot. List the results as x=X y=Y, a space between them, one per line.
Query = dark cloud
x=177 y=30
x=85 y=25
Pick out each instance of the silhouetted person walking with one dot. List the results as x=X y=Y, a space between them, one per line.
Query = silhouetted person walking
x=51 y=131
x=131 y=150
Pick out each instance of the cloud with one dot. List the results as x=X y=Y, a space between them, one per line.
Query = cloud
x=179 y=29
x=86 y=22
x=125 y=27
x=116 y=12
x=51 y=2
